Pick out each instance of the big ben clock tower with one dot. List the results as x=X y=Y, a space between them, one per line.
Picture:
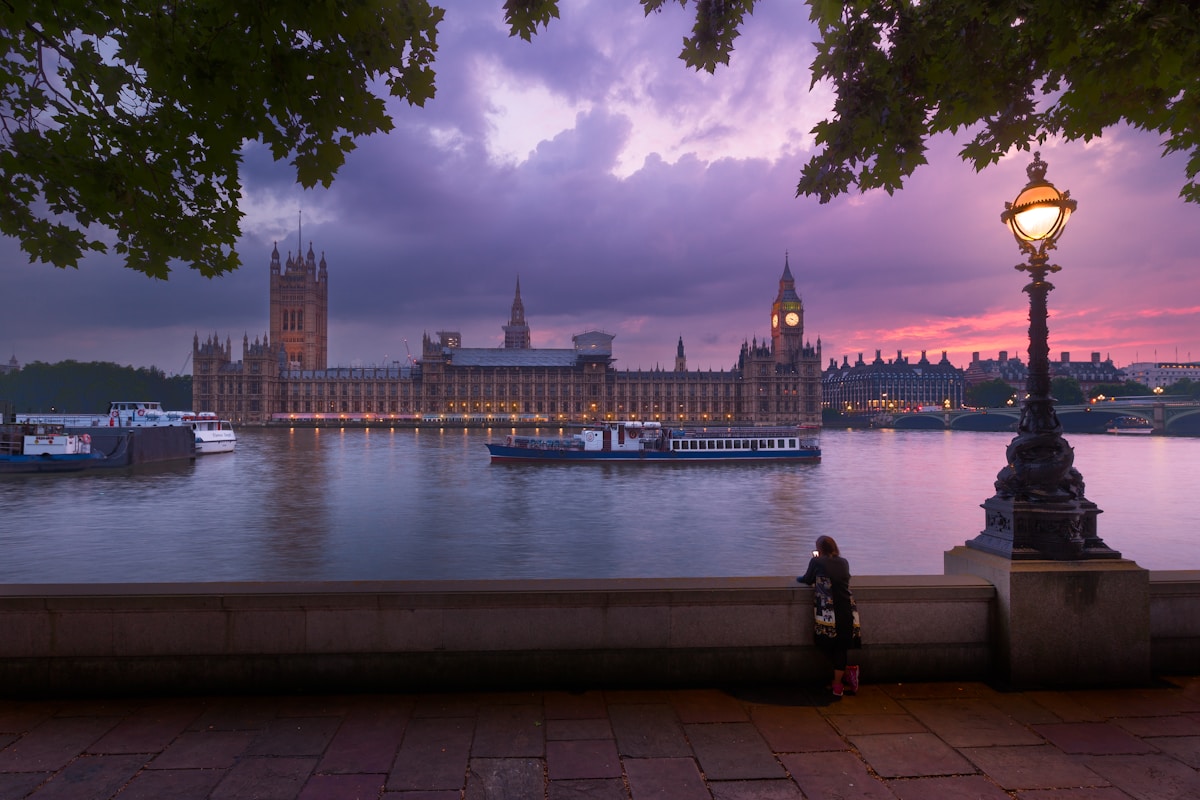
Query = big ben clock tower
x=787 y=320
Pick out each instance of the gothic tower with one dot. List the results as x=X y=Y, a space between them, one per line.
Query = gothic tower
x=787 y=320
x=300 y=309
x=516 y=332
x=680 y=359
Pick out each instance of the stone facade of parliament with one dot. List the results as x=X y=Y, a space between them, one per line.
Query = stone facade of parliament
x=284 y=377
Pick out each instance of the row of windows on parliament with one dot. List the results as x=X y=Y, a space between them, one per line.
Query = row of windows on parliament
x=399 y=397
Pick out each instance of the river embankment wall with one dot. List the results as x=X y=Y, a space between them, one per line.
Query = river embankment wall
x=88 y=639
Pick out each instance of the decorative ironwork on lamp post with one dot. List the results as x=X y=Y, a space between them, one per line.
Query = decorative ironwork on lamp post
x=1039 y=510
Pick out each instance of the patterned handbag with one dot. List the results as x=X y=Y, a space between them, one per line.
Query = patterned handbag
x=824 y=618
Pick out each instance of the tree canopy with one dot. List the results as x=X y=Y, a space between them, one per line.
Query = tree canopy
x=125 y=120
x=1015 y=72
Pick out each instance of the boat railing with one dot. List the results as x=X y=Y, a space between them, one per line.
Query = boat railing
x=764 y=432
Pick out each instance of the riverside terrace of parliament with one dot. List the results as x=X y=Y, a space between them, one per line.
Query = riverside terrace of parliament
x=284 y=377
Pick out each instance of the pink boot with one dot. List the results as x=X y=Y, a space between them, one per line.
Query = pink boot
x=851 y=679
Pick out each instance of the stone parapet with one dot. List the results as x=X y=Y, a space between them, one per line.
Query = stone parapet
x=405 y=636
x=1174 y=621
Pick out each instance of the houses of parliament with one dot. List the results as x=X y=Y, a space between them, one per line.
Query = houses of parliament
x=283 y=378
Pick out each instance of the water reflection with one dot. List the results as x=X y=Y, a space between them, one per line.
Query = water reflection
x=402 y=504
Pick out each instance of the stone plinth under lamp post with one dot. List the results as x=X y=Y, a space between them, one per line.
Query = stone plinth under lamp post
x=1072 y=611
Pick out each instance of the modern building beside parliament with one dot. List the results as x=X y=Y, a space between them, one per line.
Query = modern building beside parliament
x=284 y=377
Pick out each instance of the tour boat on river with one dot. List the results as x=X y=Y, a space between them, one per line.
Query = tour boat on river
x=633 y=440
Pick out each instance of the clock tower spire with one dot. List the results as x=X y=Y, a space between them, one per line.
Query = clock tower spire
x=787 y=319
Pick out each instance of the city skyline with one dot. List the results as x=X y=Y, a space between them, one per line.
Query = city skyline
x=633 y=195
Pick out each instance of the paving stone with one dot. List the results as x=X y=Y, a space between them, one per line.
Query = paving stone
x=343 y=787
x=834 y=776
x=175 y=784
x=236 y=714
x=204 y=750
x=648 y=731
x=91 y=778
x=755 y=790
x=730 y=751
x=19 y=784
x=594 y=789
x=1082 y=793
x=1181 y=748
x=442 y=706
x=575 y=705
x=364 y=743
x=1110 y=703
x=860 y=724
x=1036 y=767
x=869 y=700
x=1145 y=727
x=910 y=755
x=1067 y=706
x=665 y=778
x=970 y=722
x=795 y=730
x=621 y=697
x=295 y=736
x=21 y=717
x=265 y=779
x=444 y=794
x=509 y=731
x=941 y=690
x=707 y=706
x=1148 y=777
x=1097 y=738
x=506 y=777
x=958 y=787
x=578 y=729
x=596 y=758
x=1022 y=709
x=144 y=732
x=432 y=755
x=316 y=705
x=53 y=743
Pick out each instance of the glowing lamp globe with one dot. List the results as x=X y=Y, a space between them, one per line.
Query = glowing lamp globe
x=1040 y=212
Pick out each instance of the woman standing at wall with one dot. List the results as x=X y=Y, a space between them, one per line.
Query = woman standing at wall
x=836 y=628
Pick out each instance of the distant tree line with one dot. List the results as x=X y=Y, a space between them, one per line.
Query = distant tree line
x=73 y=387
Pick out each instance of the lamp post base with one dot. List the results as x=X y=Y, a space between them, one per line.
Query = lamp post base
x=1065 y=624
x=1051 y=529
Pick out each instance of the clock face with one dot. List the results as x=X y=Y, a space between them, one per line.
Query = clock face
x=774 y=320
x=792 y=318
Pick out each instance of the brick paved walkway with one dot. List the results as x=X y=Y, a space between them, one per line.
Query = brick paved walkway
x=905 y=741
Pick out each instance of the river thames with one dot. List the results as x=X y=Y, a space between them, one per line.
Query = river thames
x=385 y=504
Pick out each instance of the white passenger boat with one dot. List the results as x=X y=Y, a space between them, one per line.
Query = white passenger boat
x=213 y=435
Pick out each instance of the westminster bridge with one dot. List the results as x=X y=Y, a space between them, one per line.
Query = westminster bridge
x=1167 y=418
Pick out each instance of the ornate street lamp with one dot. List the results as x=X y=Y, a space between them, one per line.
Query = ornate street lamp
x=1039 y=510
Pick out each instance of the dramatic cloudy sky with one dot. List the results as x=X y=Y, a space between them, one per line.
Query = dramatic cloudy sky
x=633 y=195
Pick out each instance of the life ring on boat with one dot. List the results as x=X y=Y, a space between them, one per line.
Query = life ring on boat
x=114 y=413
x=141 y=412
x=633 y=433
x=86 y=438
